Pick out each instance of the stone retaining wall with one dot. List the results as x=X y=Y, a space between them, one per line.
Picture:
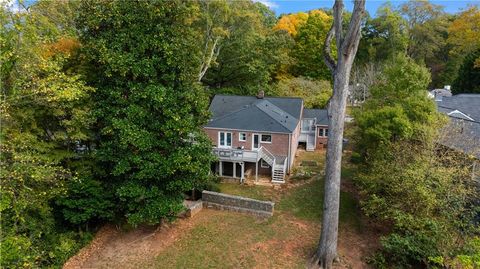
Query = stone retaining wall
x=223 y=201
x=193 y=207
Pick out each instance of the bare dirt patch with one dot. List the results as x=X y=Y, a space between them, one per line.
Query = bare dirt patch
x=355 y=247
x=287 y=243
x=113 y=248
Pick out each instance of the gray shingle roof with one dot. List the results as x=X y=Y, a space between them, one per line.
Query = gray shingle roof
x=320 y=115
x=462 y=133
x=468 y=104
x=270 y=114
x=438 y=94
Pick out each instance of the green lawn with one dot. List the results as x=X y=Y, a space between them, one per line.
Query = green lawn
x=234 y=240
x=222 y=239
x=305 y=202
x=254 y=192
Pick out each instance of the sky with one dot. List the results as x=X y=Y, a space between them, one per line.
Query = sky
x=292 y=6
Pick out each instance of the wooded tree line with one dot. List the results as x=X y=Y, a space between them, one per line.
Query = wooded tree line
x=102 y=103
x=423 y=31
x=422 y=193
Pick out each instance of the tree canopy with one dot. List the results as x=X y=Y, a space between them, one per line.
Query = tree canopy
x=45 y=114
x=384 y=36
x=102 y=106
x=149 y=105
x=468 y=79
x=417 y=188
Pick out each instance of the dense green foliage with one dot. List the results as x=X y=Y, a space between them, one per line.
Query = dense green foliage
x=315 y=93
x=419 y=190
x=425 y=33
x=45 y=114
x=383 y=37
x=102 y=105
x=468 y=80
x=249 y=53
x=398 y=107
x=149 y=107
x=308 y=50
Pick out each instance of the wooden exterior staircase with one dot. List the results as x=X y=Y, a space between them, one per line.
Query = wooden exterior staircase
x=310 y=142
x=278 y=169
x=278 y=165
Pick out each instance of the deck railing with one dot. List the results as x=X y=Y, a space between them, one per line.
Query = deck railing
x=266 y=156
x=241 y=155
x=236 y=154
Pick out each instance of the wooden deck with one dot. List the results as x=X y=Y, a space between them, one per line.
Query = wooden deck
x=240 y=156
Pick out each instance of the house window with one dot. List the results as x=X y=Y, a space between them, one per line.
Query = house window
x=242 y=137
x=225 y=139
x=264 y=164
x=266 y=139
x=322 y=132
x=307 y=125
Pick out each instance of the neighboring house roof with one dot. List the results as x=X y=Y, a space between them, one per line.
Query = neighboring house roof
x=462 y=135
x=459 y=114
x=320 y=115
x=438 y=94
x=463 y=131
x=467 y=104
x=269 y=114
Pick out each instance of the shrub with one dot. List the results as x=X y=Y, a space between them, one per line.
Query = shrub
x=87 y=200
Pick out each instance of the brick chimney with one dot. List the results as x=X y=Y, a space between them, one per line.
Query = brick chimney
x=260 y=94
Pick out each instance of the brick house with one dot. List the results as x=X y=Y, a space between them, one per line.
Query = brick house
x=260 y=135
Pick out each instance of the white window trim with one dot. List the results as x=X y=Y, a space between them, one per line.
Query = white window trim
x=264 y=164
x=231 y=140
x=259 y=141
x=459 y=112
x=311 y=127
x=240 y=137
x=323 y=129
x=266 y=142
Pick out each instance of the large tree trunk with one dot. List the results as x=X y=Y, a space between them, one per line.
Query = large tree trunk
x=346 y=50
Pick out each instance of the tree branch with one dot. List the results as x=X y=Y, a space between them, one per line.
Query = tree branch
x=213 y=53
x=327 y=51
x=337 y=22
x=353 y=34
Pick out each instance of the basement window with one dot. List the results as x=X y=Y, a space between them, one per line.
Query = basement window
x=322 y=132
x=264 y=164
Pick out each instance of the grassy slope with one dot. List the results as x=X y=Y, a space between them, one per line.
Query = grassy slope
x=305 y=202
x=232 y=240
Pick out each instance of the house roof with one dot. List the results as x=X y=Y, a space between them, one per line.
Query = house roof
x=462 y=135
x=467 y=104
x=438 y=94
x=269 y=114
x=320 y=115
x=463 y=131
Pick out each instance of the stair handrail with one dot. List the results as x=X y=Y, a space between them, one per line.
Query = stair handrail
x=264 y=151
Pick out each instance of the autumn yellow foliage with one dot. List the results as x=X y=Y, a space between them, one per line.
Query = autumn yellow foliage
x=318 y=12
x=291 y=22
x=65 y=45
x=464 y=32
